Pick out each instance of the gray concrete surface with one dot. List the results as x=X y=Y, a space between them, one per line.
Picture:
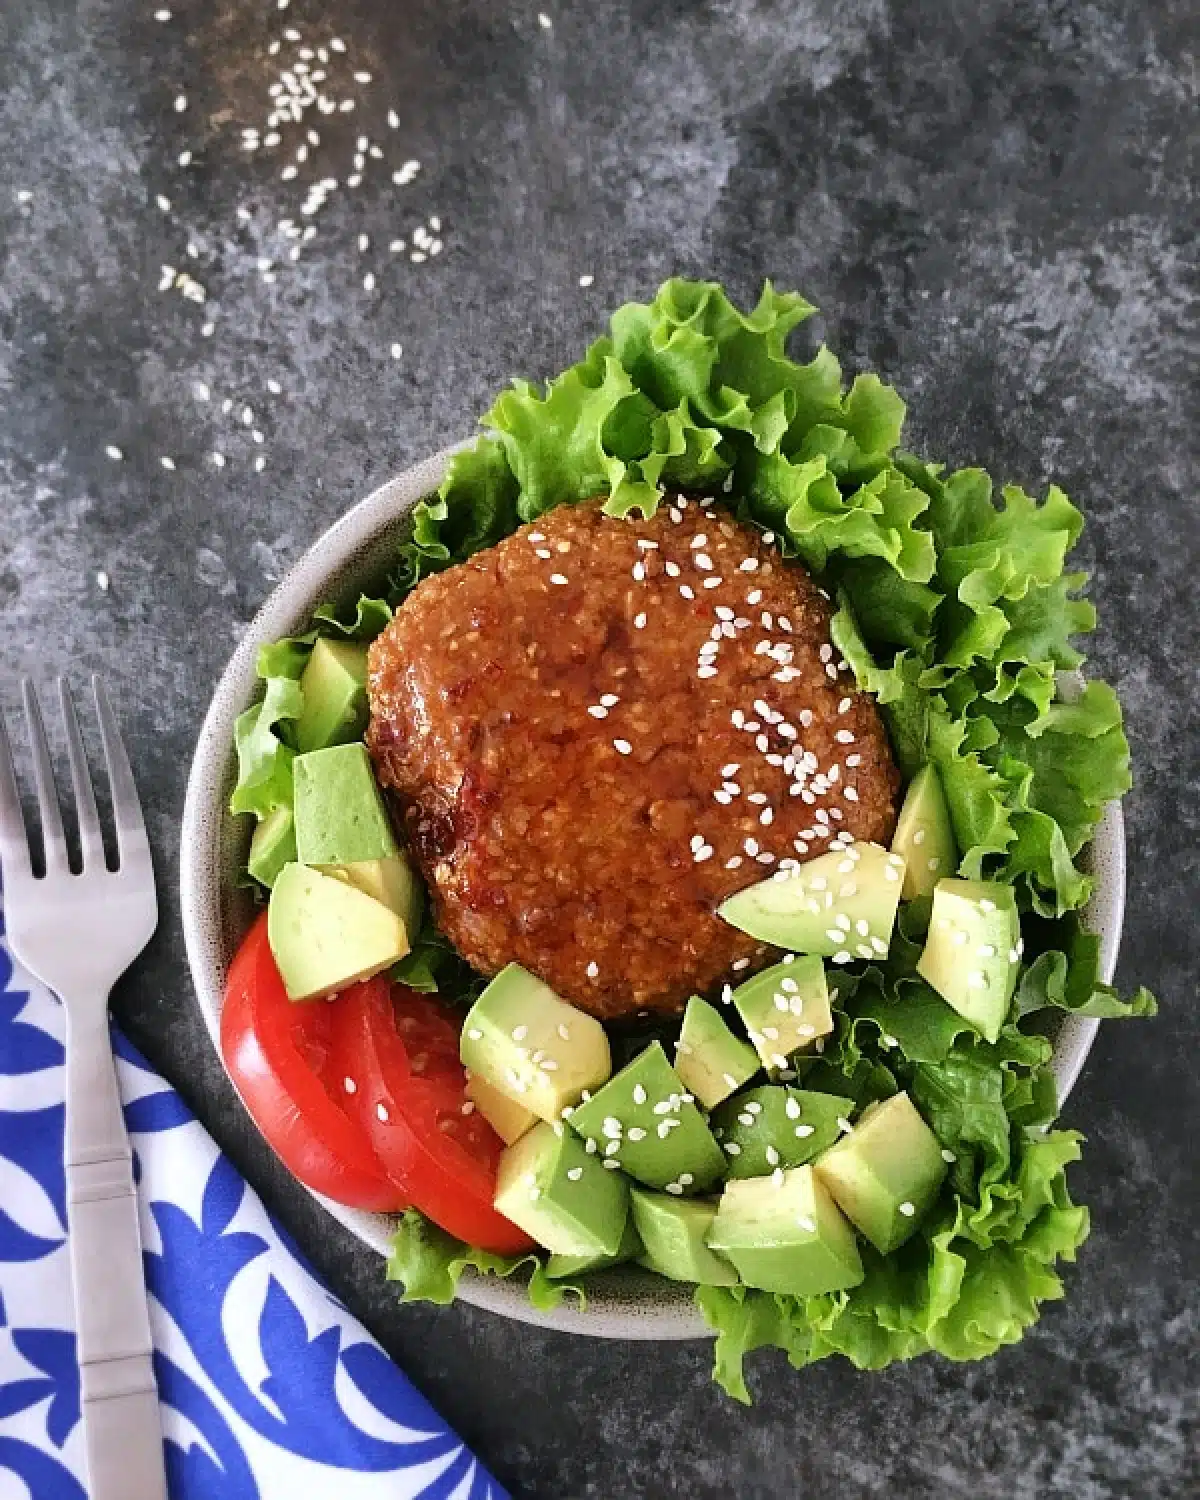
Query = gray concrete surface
x=995 y=206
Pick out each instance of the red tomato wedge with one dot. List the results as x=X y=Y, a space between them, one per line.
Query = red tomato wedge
x=399 y=1049
x=277 y=1054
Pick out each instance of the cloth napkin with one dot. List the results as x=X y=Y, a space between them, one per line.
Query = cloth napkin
x=268 y=1388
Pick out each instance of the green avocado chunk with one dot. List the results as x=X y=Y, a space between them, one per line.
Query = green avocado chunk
x=710 y=1060
x=973 y=950
x=784 y=1233
x=560 y=1267
x=334 y=685
x=551 y=1187
x=842 y=904
x=673 y=1232
x=325 y=935
x=507 y=1118
x=527 y=1043
x=340 y=816
x=273 y=845
x=785 y=1008
x=392 y=881
x=647 y=1122
x=885 y=1174
x=924 y=837
x=776 y=1126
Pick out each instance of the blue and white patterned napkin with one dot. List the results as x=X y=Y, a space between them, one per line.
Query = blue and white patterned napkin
x=269 y=1389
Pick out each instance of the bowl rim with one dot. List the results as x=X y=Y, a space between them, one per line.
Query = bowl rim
x=623 y=1304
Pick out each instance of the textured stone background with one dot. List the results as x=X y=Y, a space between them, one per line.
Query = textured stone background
x=994 y=203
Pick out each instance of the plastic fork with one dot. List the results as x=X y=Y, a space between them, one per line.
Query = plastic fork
x=78 y=932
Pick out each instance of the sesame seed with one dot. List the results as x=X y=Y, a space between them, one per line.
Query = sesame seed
x=382 y=1112
x=803 y=1131
x=586 y=279
x=590 y=1146
x=739 y=964
x=639 y=621
x=686 y=592
x=908 y=1209
x=948 y=1156
x=597 y=711
x=622 y=747
x=844 y=1125
x=167 y=463
x=732 y=1148
x=558 y=578
x=574 y=1174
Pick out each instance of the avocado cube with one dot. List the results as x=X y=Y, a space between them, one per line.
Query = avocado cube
x=924 y=836
x=334 y=686
x=325 y=935
x=973 y=950
x=784 y=1233
x=559 y=1267
x=775 y=1126
x=842 y=904
x=673 y=1233
x=645 y=1120
x=340 y=816
x=710 y=1060
x=273 y=845
x=549 y=1186
x=507 y=1118
x=885 y=1174
x=785 y=1008
x=392 y=881
x=527 y=1043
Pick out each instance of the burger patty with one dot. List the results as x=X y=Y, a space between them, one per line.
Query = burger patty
x=600 y=728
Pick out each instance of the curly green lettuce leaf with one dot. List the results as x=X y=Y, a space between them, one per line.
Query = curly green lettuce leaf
x=692 y=344
x=975 y=794
x=805 y=501
x=264 y=762
x=554 y=441
x=1066 y=976
x=429 y=1263
x=475 y=506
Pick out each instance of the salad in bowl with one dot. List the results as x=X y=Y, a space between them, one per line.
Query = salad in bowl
x=680 y=861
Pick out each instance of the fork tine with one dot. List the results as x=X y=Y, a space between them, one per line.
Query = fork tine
x=90 y=838
x=54 y=839
x=14 y=842
x=127 y=807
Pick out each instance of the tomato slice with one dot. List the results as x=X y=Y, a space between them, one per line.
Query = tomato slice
x=400 y=1050
x=277 y=1053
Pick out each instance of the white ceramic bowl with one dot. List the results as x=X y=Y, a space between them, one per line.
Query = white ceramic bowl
x=354 y=556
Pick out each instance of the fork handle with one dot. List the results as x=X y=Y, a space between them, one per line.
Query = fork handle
x=122 y=1431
